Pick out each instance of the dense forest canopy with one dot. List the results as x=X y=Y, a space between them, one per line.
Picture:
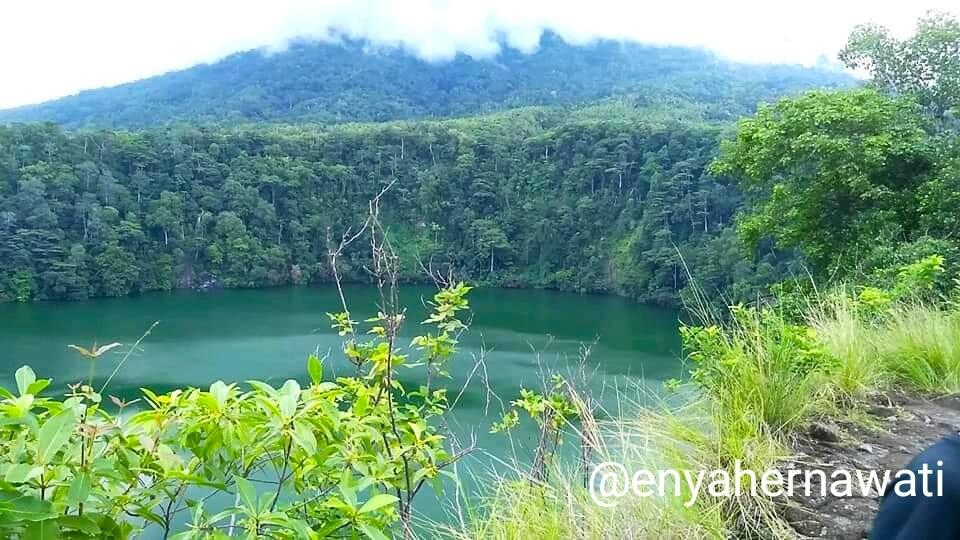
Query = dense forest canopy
x=627 y=194
x=861 y=181
x=610 y=195
x=531 y=197
x=350 y=81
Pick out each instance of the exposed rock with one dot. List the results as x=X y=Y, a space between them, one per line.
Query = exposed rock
x=823 y=431
x=921 y=424
x=949 y=402
x=882 y=411
x=209 y=282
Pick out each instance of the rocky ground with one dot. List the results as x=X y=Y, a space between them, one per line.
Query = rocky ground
x=899 y=428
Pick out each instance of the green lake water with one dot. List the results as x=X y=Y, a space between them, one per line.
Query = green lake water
x=267 y=334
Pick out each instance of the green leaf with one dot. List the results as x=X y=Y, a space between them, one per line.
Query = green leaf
x=315 y=369
x=334 y=525
x=110 y=528
x=304 y=438
x=451 y=475
x=152 y=398
x=25 y=377
x=288 y=399
x=47 y=529
x=300 y=527
x=18 y=507
x=54 y=433
x=248 y=494
x=361 y=404
x=263 y=387
x=22 y=472
x=223 y=514
x=79 y=489
x=21 y=408
x=83 y=524
x=372 y=532
x=377 y=502
x=37 y=386
x=220 y=391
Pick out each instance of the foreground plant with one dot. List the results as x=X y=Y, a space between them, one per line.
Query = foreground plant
x=340 y=458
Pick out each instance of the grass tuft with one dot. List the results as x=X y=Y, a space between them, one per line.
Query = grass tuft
x=759 y=376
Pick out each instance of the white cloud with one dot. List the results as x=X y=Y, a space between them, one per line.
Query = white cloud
x=52 y=48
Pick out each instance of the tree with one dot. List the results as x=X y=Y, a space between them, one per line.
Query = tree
x=167 y=214
x=488 y=238
x=116 y=270
x=830 y=172
x=926 y=65
x=32 y=205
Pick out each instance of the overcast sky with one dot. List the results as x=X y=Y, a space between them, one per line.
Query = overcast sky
x=53 y=48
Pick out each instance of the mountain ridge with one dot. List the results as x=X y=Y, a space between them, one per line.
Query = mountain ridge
x=347 y=82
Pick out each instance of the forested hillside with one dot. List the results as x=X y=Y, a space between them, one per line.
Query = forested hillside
x=584 y=200
x=586 y=172
x=332 y=82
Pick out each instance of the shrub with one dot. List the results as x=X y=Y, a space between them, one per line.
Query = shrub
x=920 y=345
x=759 y=368
x=840 y=326
x=341 y=457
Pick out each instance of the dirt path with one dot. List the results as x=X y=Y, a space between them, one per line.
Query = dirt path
x=905 y=426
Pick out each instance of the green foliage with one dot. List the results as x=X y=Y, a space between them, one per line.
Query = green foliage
x=554 y=412
x=831 y=173
x=438 y=348
x=341 y=457
x=524 y=198
x=115 y=272
x=769 y=370
x=23 y=286
x=874 y=300
x=918 y=278
x=906 y=332
x=920 y=346
x=680 y=435
x=760 y=369
x=861 y=181
x=927 y=64
x=912 y=344
x=593 y=190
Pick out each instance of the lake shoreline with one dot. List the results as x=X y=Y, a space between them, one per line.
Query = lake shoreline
x=206 y=287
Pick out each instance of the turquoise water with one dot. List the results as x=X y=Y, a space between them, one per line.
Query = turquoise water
x=267 y=334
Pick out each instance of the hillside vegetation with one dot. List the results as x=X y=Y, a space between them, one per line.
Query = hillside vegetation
x=352 y=81
x=589 y=177
x=596 y=199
